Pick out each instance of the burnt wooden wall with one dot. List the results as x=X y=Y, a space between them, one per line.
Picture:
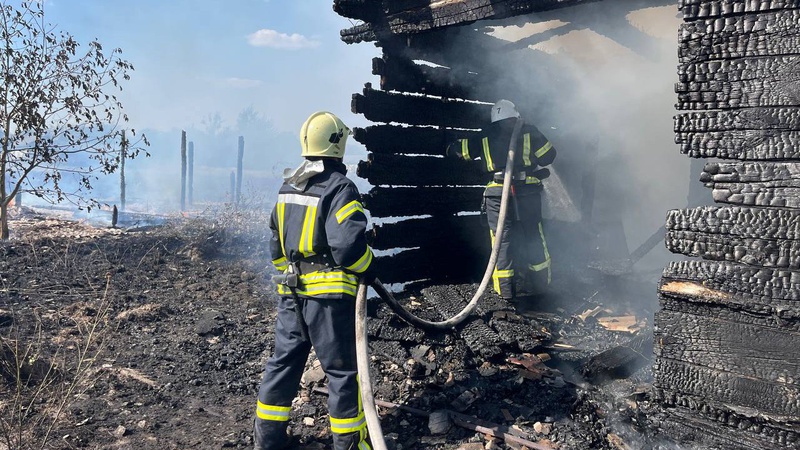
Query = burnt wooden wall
x=426 y=206
x=727 y=340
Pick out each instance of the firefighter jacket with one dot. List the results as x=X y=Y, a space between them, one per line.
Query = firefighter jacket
x=321 y=227
x=492 y=148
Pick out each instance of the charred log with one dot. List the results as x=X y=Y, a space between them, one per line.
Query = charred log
x=395 y=139
x=780 y=400
x=401 y=74
x=468 y=230
x=431 y=262
x=397 y=170
x=737 y=221
x=698 y=423
x=748 y=82
x=767 y=293
x=407 y=202
x=696 y=9
x=769 y=34
x=379 y=106
x=446 y=14
x=754 y=351
x=479 y=337
x=754 y=184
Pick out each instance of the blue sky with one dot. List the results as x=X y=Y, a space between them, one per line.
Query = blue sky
x=194 y=58
x=199 y=59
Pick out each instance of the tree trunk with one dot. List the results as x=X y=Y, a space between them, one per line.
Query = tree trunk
x=123 y=155
x=239 y=164
x=183 y=171
x=4 y=221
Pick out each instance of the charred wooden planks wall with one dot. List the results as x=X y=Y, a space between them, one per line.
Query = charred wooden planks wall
x=728 y=332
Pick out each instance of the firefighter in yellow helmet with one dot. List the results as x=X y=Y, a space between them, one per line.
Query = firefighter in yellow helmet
x=523 y=255
x=319 y=249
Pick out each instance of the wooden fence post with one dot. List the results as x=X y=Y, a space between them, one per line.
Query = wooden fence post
x=183 y=170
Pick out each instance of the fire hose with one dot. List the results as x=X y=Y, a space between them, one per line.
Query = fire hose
x=362 y=350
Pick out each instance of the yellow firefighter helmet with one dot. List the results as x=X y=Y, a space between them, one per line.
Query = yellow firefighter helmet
x=323 y=134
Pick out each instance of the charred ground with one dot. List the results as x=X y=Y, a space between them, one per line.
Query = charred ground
x=186 y=320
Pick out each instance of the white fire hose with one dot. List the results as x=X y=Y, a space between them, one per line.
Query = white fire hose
x=362 y=350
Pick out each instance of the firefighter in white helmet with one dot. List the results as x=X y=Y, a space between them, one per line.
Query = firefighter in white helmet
x=523 y=260
x=319 y=249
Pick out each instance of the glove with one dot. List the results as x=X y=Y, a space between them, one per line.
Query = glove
x=454 y=150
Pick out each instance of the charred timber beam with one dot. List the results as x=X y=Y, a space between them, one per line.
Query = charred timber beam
x=755 y=252
x=744 y=134
x=395 y=139
x=754 y=184
x=697 y=423
x=760 y=121
x=773 y=294
x=480 y=339
x=367 y=10
x=449 y=13
x=765 y=145
x=775 y=399
x=380 y=106
x=695 y=9
x=430 y=263
x=394 y=170
x=769 y=34
x=401 y=74
x=469 y=231
x=407 y=202
x=707 y=340
x=764 y=223
x=748 y=82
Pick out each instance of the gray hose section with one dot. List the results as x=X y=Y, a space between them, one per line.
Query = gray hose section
x=362 y=350
x=365 y=379
x=487 y=276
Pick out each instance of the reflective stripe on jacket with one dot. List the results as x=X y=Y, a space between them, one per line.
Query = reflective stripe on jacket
x=533 y=150
x=326 y=218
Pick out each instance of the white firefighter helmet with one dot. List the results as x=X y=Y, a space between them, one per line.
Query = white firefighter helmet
x=503 y=109
x=323 y=134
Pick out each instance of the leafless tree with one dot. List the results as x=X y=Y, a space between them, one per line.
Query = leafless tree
x=60 y=121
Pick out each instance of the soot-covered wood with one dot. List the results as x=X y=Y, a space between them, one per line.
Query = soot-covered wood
x=380 y=106
x=697 y=9
x=402 y=140
x=446 y=14
x=469 y=230
x=420 y=201
x=757 y=184
x=396 y=170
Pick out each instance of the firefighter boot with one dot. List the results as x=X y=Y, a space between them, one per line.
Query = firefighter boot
x=270 y=435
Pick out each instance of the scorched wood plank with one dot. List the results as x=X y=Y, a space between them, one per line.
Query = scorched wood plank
x=705 y=339
x=694 y=9
x=406 y=201
x=769 y=34
x=380 y=106
x=779 y=400
x=403 y=75
x=770 y=293
x=757 y=252
x=441 y=14
x=695 y=422
x=469 y=230
x=746 y=82
x=396 y=139
x=394 y=170
x=766 y=223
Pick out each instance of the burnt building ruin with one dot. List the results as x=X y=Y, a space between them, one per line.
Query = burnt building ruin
x=727 y=369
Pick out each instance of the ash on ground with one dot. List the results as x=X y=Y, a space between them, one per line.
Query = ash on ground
x=183 y=313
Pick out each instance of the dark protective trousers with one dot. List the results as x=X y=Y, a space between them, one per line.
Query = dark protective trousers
x=331 y=330
x=523 y=252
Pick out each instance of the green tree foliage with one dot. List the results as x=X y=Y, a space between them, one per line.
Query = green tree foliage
x=61 y=121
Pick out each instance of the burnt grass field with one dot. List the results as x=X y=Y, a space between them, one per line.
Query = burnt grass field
x=155 y=338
